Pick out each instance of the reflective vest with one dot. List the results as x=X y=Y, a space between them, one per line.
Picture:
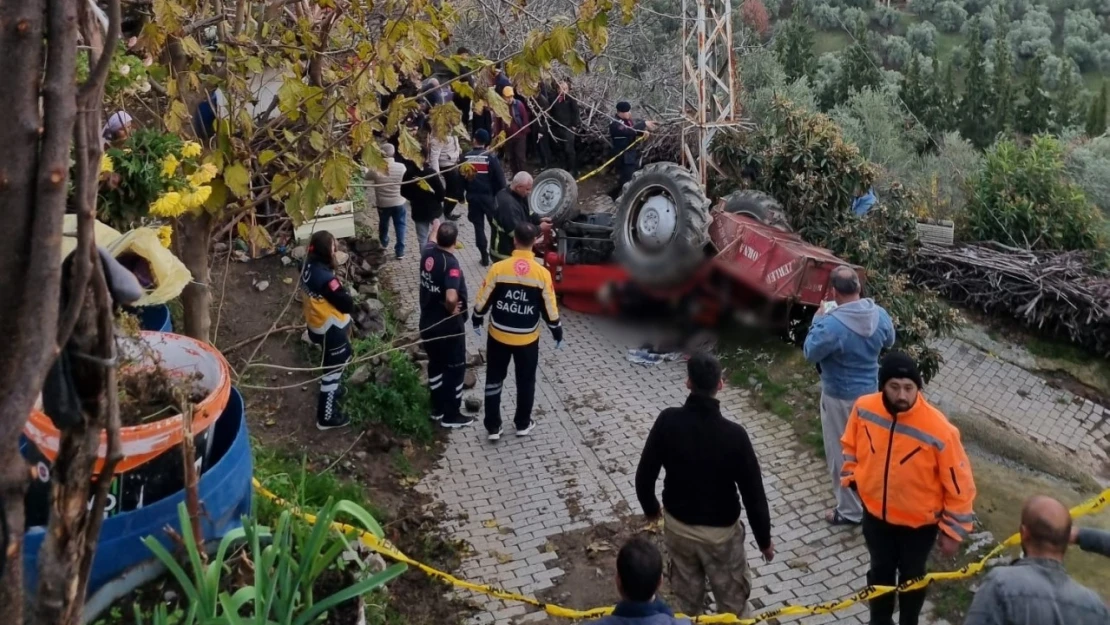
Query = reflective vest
x=909 y=469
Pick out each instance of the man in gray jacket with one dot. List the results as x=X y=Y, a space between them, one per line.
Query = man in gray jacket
x=845 y=343
x=1036 y=590
x=390 y=202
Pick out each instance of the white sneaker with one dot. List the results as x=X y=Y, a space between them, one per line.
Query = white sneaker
x=528 y=430
x=496 y=436
x=435 y=417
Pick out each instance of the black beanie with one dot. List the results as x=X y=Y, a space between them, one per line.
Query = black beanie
x=899 y=365
x=623 y=107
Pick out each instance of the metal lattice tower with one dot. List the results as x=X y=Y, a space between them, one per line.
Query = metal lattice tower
x=710 y=83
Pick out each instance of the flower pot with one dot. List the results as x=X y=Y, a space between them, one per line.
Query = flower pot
x=122 y=562
x=142 y=443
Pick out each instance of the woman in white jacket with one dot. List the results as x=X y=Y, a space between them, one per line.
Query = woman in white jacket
x=443 y=155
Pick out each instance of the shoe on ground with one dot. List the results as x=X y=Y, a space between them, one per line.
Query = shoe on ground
x=496 y=436
x=460 y=422
x=435 y=417
x=526 y=431
x=453 y=217
x=400 y=257
x=484 y=262
x=336 y=422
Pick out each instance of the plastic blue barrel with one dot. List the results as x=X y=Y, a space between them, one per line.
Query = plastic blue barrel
x=155 y=318
x=225 y=492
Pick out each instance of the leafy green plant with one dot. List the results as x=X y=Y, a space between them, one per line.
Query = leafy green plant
x=804 y=161
x=301 y=484
x=395 y=395
x=1023 y=198
x=285 y=563
x=127 y=75
x=138 y=167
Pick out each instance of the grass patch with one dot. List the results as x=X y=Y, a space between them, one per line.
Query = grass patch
x=779 y=378
x=394 y=395
x=1071 y=359
x=1002 y=489
x=295 y=480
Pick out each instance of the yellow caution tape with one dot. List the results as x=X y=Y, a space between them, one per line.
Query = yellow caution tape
x=610 y=161
x=590 y=174
x=385 y=548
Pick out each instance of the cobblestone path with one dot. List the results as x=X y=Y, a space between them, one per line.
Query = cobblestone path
x=594 y=410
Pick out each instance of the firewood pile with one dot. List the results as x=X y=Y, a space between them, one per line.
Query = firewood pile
x=1060 y=293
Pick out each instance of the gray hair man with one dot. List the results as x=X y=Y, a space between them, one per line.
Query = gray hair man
x=1036 y=590
x=844 y=342
x=512 y=209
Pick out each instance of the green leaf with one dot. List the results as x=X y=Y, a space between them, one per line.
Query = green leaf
x=443 y=118
x=351 y=592
x=316 y=140
x=359 y=514
x=313 y=197
x=337 y=176
x=238 y=180
x=290 y=97
x=575 y=62
x=372 y=157
x=410 y=147
x=266 y=156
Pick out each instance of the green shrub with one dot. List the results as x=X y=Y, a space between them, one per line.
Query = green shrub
x=395 y=395
x=1022 y=197
x=1088 y=164
x=804 y=161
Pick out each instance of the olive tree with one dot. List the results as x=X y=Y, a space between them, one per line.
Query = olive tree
x=923 y=38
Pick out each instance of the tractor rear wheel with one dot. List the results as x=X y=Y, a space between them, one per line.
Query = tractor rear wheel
x=759 y=206
x=662 y=225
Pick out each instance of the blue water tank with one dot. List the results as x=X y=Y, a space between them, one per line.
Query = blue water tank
x=225 y=493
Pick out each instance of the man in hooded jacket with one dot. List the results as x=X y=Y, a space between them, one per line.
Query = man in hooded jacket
x=844 y=342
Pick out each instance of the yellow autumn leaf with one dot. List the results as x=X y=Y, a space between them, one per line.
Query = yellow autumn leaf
x=238 y=180
x=498 y=105
x=337 y=175
x=410 y=147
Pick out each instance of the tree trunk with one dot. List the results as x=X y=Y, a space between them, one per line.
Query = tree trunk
x=60 y=594
x=34 y=172
x=191 y=239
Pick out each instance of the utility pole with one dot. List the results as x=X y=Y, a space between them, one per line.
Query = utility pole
x=710 y=80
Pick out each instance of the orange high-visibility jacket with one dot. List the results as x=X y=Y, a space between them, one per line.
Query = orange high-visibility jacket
x=910 y=469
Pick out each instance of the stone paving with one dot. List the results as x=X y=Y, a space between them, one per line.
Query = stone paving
x=594 y=410
x=973 y=381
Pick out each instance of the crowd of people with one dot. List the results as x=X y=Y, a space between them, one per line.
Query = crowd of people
x=897 y=466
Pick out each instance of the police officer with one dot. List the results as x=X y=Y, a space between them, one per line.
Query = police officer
x=622 y=132
x=517 y=293
x=442 y=324
x=327 y=313
x=484 y=178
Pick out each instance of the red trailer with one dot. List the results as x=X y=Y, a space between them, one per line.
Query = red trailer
x=664 y=246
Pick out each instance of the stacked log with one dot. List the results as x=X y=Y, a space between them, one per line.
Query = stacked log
x=1062 y=294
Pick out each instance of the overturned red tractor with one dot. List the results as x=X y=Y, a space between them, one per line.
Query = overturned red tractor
x=665 y=249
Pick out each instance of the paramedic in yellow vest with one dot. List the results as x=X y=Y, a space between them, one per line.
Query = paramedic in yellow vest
x=327 y=313
x=517 y=293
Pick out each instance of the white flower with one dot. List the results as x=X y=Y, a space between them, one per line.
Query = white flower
x=144 y=86
x=124 y=69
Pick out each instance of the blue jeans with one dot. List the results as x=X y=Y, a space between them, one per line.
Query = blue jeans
x=423 y=231
x=397 y=214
